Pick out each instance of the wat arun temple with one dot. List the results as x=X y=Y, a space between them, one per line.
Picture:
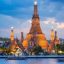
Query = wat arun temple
x=35 y=35
x=35 y=41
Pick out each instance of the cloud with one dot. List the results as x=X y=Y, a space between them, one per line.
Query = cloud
x=49 y=21
x=54 y=23
x=8 y=21
x=59 y=1
x=61 y=25
x=48 y=8
x=25 y=25
x=24 y=9
x=18 y=15
x=19 y=25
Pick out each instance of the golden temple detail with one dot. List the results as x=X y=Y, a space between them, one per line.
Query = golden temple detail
x=35 y=35
x=54 y=40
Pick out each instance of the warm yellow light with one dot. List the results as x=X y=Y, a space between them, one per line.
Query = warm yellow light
x=52 y=35
x=12 y=36
x=60 y=51
x=25 y=44
x=43 y=44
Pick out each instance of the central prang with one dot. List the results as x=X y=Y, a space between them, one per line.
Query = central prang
x=35 y=37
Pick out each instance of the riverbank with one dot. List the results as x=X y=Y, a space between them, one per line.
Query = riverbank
x=30 y=57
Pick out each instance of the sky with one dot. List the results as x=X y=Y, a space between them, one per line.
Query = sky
x=18 y=13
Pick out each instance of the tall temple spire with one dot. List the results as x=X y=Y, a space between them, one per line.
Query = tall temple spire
x=35 y=28
x=35 y=9
x=35 y=35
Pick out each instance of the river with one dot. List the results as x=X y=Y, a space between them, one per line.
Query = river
x=31 y=61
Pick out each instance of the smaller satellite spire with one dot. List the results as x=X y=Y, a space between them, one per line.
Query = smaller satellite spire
x=12 y=28
x=35 y=10
x=35 y=2
x=12 y=34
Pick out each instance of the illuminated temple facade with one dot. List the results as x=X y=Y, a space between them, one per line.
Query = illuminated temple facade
x=35 y=35
x=54 y=40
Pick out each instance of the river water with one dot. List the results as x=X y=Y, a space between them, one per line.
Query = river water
x=31 y=61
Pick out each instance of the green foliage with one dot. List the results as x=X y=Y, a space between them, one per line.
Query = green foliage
x=37 y=50
x=4 y=39
x=57 y=46
x=62 y=47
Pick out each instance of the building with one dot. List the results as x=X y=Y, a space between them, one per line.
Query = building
x=52 y=35
x=35 y=35
x=22 y=38
x=51 y=45
x=56 y=39
x=13 y=45
x=12 y=34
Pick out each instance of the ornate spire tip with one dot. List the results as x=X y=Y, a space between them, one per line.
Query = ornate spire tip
x=35 y=2
x=12 y=28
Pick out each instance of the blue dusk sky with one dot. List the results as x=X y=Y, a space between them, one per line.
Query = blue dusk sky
x=18 y=13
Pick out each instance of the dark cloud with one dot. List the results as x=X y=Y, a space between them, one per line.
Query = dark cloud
x=24 y=8
x=60 y=1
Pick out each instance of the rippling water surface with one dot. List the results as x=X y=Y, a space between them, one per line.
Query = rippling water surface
x=31 y=61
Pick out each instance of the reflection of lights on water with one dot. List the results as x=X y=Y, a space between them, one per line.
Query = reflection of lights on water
x=12 y=62
x=43 y=61
x=30 y=61
x=49 y=61
x=53 y=61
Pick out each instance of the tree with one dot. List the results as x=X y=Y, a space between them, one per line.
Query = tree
x=62 y=47
x=57 y=48
x=37 y=50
